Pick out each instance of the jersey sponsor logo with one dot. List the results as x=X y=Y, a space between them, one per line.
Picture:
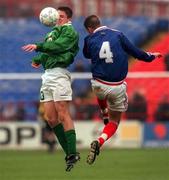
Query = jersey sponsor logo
x=49 y=39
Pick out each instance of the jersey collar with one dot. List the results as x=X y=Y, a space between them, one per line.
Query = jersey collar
x=68 y=23
x=100 y=28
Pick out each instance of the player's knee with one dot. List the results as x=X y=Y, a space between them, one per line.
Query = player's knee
x=61 y=116
x=52 y=122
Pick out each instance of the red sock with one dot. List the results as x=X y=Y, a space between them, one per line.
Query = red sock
x=108 y=132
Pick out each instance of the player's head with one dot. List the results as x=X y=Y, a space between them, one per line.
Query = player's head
x=91 y=23
x=65 y=14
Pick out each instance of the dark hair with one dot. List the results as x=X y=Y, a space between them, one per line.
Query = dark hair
x=67 y=10
x=92 y=22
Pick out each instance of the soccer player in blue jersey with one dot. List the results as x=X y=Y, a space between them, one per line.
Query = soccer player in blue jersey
x=108 y=50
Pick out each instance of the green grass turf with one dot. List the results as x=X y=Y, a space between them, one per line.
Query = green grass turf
x=117 y=164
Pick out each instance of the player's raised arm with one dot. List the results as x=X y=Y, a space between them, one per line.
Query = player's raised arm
x=137 y=52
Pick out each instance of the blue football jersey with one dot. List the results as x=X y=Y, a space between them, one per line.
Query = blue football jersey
x=108 y=50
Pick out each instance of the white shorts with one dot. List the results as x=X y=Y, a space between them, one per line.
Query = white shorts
x=115 y=93
x=56 y=85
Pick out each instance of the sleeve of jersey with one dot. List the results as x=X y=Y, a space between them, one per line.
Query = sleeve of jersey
x=63 y=43
x=85 y=49
x=134 y=51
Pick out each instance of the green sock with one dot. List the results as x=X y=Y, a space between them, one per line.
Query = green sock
x=71 y=141
x=60 y=134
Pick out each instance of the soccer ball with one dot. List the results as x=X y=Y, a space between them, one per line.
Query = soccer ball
x=49 y=16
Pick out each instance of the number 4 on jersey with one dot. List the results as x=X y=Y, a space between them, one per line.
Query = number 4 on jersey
x=105 y=52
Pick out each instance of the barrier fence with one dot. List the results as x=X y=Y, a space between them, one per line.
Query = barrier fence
x=28 y=136
x=148 y=94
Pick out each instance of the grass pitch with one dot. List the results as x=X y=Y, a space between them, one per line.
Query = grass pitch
x=117 y=164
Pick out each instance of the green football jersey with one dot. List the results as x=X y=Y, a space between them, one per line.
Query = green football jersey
x=59 y=47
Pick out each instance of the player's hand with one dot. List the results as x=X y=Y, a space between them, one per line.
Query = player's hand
x=35 y=65
x=29 y=47
x=157 y=54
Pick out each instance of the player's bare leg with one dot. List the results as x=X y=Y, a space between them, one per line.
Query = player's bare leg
x=105 y=116
x=64 y=116
x=104 y=110
x=62 y=124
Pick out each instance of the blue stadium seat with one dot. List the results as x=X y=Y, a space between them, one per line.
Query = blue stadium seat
x=23 y=31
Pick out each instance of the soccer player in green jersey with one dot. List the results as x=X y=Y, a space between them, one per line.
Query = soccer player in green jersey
x=56 y=53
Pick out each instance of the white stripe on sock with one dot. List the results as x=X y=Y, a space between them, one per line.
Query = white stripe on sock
x=104 y=136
